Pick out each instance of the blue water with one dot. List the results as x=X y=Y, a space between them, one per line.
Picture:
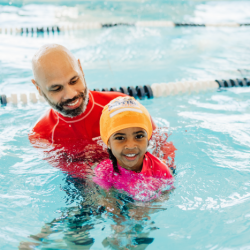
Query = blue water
x=209 y=208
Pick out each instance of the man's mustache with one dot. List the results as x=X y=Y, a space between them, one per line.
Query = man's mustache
x=71 y=100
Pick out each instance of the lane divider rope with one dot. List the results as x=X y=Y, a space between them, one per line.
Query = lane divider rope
x=146 y=91
x=99 y=25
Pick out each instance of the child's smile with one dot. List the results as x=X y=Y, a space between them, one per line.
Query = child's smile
x=129 y=147
x=131 y=157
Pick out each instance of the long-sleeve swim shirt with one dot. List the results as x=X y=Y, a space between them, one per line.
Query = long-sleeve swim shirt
x=58 y=129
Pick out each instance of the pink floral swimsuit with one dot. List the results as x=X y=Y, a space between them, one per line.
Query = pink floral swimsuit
x=143 y=186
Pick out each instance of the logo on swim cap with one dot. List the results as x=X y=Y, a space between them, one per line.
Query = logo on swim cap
x=123 y=102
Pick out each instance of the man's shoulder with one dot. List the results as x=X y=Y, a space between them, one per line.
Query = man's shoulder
x=104 y=98
x=46 y=122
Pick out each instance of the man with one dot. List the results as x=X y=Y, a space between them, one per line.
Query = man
x=73 y=121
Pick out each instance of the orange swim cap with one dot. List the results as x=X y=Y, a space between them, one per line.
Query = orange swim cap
x=121 y=113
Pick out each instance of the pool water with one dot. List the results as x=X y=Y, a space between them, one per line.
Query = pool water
x=209 y=207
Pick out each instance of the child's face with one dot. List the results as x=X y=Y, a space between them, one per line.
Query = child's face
x=129 y=146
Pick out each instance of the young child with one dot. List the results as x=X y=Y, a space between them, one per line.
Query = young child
x=125 y=127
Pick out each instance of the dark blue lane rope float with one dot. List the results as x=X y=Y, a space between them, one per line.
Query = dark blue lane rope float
x=140 y=92
x=110 y=25
x=147 y=91
x=234 y=83
x=40 y=30
x=3 y=99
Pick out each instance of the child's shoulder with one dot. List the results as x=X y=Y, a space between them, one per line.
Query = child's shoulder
x=104 y=166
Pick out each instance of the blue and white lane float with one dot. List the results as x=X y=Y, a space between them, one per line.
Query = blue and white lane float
x=141 y=92
x=99 y=25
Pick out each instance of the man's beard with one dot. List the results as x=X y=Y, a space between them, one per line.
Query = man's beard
x=71 y=112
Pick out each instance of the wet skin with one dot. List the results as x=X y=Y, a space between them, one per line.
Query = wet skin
x=129 y=147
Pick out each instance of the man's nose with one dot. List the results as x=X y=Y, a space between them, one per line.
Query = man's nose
x=69 y=92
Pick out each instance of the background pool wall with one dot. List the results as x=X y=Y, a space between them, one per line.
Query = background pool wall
x=141 y=92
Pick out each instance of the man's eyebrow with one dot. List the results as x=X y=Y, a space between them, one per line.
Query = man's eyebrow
x=73 y=78
x=59 y=85
x=54 y=86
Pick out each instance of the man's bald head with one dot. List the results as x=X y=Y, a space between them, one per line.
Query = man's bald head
x=49 y=58
x=58 y=76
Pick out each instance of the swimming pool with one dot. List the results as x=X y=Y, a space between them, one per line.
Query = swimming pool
x=209 y=209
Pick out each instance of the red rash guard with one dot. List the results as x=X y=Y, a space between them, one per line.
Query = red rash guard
x=72 y=137
x=57 y=129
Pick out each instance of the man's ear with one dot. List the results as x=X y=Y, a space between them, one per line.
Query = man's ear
x=80 y=66
x=37 y=87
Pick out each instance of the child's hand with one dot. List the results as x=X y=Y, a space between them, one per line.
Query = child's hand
x=27 y=245
x=111 y=205
x=139 y=213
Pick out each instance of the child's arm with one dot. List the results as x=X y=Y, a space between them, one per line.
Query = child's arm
x=111 y=204
x=103 y=178
x=142 y=210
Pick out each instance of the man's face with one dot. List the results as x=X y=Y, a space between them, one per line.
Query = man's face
x=71 y=107
x=62 y=84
